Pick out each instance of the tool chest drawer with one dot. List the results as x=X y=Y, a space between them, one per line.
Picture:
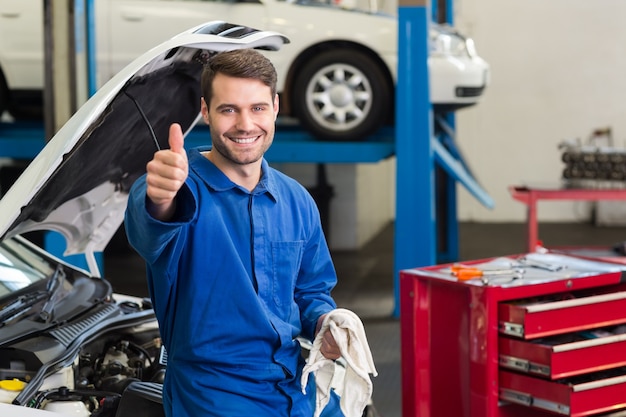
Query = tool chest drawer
x=535 y=318
x=584 y=395
x=566 y=355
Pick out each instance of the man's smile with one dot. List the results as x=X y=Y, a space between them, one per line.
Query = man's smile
x=244 y=141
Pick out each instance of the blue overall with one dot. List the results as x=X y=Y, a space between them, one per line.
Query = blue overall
x=235 y=277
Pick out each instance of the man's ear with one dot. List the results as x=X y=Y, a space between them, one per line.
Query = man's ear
x=204 y=110
x=275 y=107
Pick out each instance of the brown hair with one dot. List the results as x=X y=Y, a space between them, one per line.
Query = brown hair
x=239 y=63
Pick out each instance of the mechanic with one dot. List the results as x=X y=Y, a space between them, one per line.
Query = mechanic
x=237 y=263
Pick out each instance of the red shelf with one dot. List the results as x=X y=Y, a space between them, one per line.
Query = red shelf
x=531 y=195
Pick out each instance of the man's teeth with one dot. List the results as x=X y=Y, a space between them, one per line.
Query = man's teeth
x=244 y=140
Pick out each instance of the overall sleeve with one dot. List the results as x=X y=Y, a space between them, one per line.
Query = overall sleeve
x=160 y=244
x=147 y=235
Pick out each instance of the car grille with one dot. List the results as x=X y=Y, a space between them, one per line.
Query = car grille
x=469 y=91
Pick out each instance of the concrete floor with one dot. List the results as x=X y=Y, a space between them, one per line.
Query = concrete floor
x=366 y=283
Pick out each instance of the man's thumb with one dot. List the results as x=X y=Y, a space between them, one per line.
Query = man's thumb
x=176 y=138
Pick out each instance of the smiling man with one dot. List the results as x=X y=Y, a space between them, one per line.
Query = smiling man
x=237 y=263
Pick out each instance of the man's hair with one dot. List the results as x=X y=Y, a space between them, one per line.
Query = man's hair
x=239 y=63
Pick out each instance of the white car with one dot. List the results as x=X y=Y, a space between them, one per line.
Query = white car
x=336 y=77
x=70 y=345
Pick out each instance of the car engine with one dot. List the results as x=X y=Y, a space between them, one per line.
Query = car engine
x=90 y=381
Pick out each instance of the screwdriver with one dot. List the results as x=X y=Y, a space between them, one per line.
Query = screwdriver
x=464 y=273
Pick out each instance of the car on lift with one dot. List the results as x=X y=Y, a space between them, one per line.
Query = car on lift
x=69 y=344
x=336 y=78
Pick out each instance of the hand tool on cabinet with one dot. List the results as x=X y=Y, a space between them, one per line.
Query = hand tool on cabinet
x=464 y=273
x=533 y=263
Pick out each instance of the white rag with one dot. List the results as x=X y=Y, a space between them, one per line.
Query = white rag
x=356 y=389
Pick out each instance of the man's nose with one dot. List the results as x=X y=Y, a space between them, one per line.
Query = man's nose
x=245 y=121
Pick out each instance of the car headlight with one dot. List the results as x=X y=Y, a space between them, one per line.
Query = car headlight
x=470 y=47
x=446 y=41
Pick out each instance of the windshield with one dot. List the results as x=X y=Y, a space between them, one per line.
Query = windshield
x=20 y=266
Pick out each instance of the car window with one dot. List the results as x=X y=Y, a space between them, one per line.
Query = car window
x=20 y=267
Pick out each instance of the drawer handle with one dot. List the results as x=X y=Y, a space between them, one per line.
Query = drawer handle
x=514 y=363
x=516 y=397
x=576 y=302
x=528 y=401
x=523 y=365
x=511 y=329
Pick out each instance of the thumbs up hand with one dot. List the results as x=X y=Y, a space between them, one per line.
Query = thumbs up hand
x=177 y=140
x=166 y=174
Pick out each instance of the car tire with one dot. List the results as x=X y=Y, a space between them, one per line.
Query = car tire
x=341 y=95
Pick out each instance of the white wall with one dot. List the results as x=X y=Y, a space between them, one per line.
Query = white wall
x=376 y=198
x=558 y=72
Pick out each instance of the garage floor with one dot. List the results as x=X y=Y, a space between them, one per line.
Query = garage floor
x=366 y=284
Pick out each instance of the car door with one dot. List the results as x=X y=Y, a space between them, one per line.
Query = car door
x=130 y=27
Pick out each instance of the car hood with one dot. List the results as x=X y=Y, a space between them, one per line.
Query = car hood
x=78 y=184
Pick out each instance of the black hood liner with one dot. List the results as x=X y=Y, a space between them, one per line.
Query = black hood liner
x=118 y=145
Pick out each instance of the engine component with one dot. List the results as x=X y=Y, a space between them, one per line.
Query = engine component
x=596 y=164
x=142 y=399
x=70 y=408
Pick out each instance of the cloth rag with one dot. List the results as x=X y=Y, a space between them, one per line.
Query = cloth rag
x=355 y=389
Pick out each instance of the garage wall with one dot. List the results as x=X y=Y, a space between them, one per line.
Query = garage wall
x=557 y=73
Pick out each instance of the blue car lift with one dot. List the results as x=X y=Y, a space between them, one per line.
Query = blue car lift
x=422 y=142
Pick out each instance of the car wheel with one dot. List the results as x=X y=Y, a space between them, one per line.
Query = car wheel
x=341 y=95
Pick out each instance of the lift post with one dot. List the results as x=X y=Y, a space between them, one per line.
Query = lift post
x=414 y=237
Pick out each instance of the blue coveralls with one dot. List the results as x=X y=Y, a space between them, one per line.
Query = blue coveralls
x=234 y=278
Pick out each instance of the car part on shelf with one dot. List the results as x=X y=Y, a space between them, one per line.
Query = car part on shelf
x=597 y=163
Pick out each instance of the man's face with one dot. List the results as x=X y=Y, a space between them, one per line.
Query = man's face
x=241 y=117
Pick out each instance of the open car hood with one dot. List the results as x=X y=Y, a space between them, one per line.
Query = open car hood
x=78 y=184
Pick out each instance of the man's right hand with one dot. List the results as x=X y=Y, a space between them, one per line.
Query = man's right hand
x=166 y=174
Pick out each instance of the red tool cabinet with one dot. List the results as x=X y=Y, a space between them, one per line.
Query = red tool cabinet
x=552 y=342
